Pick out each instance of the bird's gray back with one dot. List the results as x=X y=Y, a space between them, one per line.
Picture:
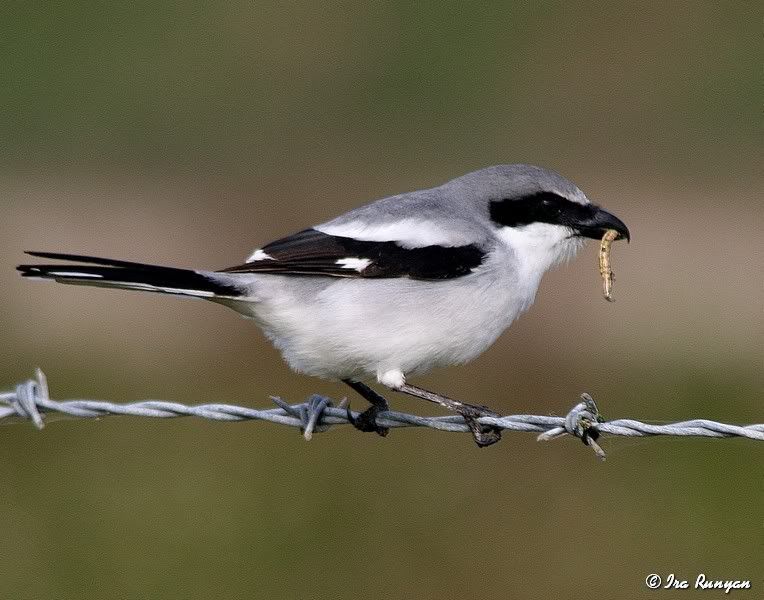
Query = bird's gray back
x=460 y=207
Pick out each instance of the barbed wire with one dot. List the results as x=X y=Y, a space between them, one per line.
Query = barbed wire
x=30 y=400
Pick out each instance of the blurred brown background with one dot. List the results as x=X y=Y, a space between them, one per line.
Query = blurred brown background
x=188 y=134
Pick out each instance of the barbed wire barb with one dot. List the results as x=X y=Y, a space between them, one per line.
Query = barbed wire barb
x=31 y=401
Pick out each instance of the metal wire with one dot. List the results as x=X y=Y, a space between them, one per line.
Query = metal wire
x=30 y=401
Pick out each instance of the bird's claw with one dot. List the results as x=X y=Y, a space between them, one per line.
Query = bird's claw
x=484 y=435
x=367 y=420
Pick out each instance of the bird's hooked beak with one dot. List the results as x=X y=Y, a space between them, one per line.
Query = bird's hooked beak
x=599 y=222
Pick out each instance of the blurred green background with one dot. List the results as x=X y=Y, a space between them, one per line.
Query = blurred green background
x=188 y=134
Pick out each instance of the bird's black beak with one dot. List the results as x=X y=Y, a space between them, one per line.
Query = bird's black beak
x=599 y=222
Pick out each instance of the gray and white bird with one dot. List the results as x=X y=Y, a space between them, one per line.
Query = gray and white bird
x=422 y=279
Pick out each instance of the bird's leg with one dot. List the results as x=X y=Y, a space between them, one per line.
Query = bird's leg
x=367 y=420
x=484 y=435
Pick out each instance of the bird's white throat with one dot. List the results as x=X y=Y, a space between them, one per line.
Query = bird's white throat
x=539 y=246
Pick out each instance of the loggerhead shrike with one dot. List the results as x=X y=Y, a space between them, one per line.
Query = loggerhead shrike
x=410 y=282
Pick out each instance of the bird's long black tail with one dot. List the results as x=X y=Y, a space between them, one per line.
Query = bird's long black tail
x=132 y=276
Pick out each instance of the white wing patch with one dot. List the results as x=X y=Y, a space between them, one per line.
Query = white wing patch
x=357 y=264
x=259 y=255
x=408 y=233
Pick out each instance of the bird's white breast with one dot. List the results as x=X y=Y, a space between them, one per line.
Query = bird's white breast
x=353 y=328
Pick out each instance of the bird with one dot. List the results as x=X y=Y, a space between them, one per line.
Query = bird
x=391 y=289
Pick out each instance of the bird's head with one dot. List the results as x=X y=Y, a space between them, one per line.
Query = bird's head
x=541 y=215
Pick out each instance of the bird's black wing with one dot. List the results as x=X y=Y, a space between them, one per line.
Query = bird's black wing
x=312 y=252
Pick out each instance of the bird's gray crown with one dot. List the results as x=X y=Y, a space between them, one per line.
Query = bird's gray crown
x=521 y=195
x=516 y=181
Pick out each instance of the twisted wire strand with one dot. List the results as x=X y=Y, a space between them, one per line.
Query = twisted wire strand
x=31 y=401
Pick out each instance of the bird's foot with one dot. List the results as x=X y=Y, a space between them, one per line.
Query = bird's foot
x=367 y=420
x=484 y=435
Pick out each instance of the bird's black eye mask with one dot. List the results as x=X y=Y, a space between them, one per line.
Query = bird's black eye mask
x=542 y=207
